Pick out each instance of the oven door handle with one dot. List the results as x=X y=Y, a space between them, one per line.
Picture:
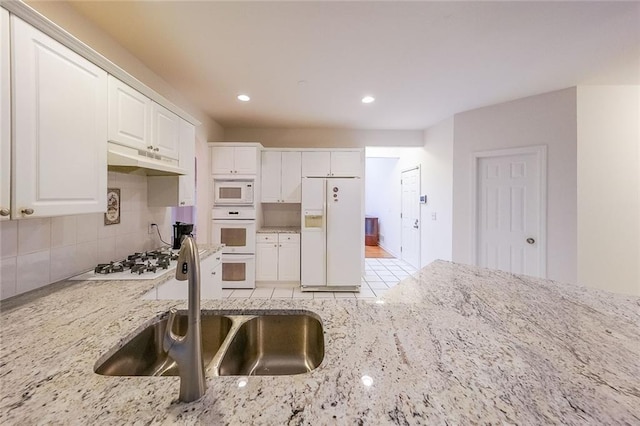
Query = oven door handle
x=236 y=258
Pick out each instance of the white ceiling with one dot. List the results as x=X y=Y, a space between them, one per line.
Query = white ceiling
x=423 y=61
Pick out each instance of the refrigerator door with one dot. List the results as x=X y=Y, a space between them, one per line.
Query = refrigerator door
x=344 y=232
x=313 y=234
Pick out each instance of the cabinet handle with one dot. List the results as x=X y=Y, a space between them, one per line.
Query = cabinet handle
x=213 y=273
x=156 y=149
x=182 y=203
x=150 y=147
x=4 y=212
x=27 y=211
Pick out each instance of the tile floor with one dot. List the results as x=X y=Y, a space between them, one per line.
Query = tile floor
x=379 y=276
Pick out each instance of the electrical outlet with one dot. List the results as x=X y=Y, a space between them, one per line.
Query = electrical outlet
x=151 y=230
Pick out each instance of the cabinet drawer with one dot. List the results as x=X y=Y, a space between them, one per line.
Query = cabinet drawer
x=267 y=238
x=288 y=238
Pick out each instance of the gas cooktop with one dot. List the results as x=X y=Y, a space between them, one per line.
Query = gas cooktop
x=138 y=266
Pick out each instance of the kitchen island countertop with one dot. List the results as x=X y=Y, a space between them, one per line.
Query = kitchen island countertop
x=453 y=343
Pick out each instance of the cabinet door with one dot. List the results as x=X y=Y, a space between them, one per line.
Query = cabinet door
x=222 y=160
x=291 y=176
x=129 y=116
x=165 y=136
x=245 y=160
x=316 y=163
x=270 y=177
x=60 y=127
x=187 y=183
x=5 y=117
x=267 y=261
x=289 y=261
x=346 y=163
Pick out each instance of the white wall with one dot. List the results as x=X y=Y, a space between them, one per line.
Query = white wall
x=37 y=252
x=609 y=187
x=382 y=199
x=324 y=138
x=547 y=119
x=437 y=184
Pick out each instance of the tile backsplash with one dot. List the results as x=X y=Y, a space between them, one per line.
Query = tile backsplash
x=37 y=252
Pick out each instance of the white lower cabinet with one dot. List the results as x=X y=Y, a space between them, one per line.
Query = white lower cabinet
x=60 y=128
x=278 y=257
x=210 y=282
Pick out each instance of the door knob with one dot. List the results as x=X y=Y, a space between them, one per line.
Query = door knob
x=531 y=240
x=4 y=212
x=27 y=211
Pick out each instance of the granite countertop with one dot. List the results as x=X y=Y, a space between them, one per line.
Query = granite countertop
x=279 y=230
x=452 y=344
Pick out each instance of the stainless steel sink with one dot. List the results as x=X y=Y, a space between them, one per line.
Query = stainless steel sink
x=233 y=345
x=274 y=345
x=144 y=356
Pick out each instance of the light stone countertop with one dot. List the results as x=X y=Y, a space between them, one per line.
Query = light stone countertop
x=279 y=230
x=453 y=344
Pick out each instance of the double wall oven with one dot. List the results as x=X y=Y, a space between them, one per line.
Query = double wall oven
x=234 y=225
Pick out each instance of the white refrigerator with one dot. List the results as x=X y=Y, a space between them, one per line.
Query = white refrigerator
x=332 y=231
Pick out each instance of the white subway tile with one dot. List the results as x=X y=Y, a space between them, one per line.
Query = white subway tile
x=88 y=227
x=34 y=235
x=64 y=230
x=32 y=271
x=8 y=238
x=8 y=272
x=62 y=262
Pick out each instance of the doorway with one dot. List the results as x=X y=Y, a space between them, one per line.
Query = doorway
x=510 y=210
x=410 y=216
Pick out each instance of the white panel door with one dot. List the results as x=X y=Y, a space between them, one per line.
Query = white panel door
x=345 y=231
x=5 y=117
x=346 y=163
x=245 y=160
x=509 y=213
x=271 y=173
x=410 y=245
x=130 y=115
x=165 y=136
x=291 y=176
x=60 y=134
x=316 y=163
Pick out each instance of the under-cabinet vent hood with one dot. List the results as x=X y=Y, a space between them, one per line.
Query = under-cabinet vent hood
x=125 y=159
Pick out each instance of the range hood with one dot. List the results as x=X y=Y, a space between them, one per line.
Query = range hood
x=123 y=159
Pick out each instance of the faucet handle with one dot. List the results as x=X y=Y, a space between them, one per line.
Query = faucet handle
x=170 y=339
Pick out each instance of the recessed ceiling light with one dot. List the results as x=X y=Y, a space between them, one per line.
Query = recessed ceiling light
x=368 y=99
x=244 y=98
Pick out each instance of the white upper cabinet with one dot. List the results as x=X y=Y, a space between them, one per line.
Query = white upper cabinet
x=346 y=163
x=316 y=163
x=5 y=118
x=234 y=160
x=177 y=190
x=332 y=163
x=60 y=133
x=271 y=177
x=165 y=136
x=130 y=114
x=291 y=176
x=281 y=177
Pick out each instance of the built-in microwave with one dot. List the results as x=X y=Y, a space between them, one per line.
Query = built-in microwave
x=233 y=192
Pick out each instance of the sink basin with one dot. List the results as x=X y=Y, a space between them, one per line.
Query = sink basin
x=144 y=356
x=273 y=345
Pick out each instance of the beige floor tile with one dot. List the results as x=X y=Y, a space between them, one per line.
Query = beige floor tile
x=262 y=293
